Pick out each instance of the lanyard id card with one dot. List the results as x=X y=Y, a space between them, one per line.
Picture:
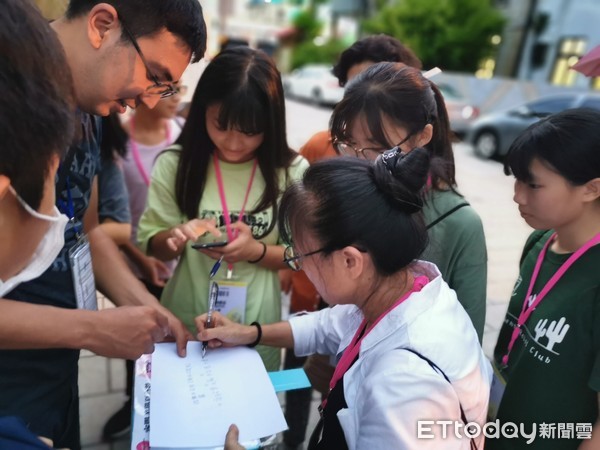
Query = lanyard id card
x=83 y=275
x=231 y=301
x=496 y=393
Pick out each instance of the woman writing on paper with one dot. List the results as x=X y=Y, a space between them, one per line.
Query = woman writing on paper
x=409 y=349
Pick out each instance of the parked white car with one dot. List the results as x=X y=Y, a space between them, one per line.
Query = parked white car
x=315 y=83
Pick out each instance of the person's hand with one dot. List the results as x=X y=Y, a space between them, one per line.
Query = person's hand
x=190 y=231
x=243 y=248
x=177 y=331
x=126 y=332
x=154 y=270
x=285 y=279
x=225 y=333
x=232 y=438
x=50 y=443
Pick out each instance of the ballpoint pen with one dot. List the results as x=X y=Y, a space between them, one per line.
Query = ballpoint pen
x=215 y=268
x=212 y=300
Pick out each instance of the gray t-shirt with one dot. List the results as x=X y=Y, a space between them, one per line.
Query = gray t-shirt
x=113 y=200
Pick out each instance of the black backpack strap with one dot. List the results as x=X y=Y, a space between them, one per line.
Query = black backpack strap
x=446 y=214
x=435 y=367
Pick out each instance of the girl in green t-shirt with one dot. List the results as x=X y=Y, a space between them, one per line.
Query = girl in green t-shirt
x=225 y=174
x=547 y=357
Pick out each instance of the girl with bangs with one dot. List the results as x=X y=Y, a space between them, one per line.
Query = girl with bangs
x=393 y=105
x=547 y=358
x=224 y=176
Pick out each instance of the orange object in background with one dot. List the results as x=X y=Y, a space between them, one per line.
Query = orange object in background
x=304 y=295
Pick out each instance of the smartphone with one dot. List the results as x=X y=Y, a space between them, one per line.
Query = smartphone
x=208 y=240
x=200 y=245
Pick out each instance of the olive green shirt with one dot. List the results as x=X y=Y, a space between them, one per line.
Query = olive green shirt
x=186 y=293
x=457 y=248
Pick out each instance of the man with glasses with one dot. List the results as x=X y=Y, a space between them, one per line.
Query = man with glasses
x=121 y=53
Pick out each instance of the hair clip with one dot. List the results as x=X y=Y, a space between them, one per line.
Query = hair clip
x=432 y=73
x=392 y=153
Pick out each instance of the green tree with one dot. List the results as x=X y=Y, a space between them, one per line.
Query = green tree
x=309 y=53
x=306 y=49
x=307 y=25
x=451 y=34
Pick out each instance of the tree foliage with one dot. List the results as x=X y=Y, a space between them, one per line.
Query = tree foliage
x=307 y=50
x=451 y=34
x=310 y=53
x=307 y=25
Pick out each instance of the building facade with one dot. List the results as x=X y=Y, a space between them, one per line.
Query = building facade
x=544 y=38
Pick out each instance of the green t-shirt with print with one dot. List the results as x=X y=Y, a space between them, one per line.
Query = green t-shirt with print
x=186 y=292
x=553 y=372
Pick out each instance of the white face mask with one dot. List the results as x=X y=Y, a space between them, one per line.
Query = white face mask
x=46 y=251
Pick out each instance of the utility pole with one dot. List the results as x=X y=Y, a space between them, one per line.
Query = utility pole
x=525 y=33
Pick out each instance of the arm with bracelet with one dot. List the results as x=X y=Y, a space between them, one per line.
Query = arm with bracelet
x=226 y=333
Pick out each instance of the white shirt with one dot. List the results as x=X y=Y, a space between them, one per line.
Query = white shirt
x=388 y=389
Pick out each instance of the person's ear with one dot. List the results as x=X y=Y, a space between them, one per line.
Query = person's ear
x=424 y=136
x=4 y=185
x=102 y=19
x=592 y=190
x=353 y=261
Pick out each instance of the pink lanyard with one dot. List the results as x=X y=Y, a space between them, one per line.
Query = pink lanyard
x=136 y=153
x=230 y=235
x=353 y=349
x=527 y=311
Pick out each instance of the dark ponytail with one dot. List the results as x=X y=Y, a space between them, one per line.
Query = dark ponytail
x=442 y=163
x=114 y=138
x=401 y=176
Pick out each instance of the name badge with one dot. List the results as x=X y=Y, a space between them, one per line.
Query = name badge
x=83 y=275
x=496 y=393
x=231 y=301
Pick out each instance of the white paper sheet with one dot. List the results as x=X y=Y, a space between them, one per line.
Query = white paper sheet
x=194 y=400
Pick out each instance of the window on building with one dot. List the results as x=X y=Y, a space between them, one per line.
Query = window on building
x=569 y=52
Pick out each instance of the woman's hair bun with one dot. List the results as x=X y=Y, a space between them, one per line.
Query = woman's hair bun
x=402 y=176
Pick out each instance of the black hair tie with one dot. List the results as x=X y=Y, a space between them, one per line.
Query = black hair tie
x=259 y=337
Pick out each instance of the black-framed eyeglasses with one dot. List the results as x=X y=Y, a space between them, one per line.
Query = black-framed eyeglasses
x=369 y=153
x=294 y=259
x=164 y=90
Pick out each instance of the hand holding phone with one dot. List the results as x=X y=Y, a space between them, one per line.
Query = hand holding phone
x=201 y=245
x=209 y=240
